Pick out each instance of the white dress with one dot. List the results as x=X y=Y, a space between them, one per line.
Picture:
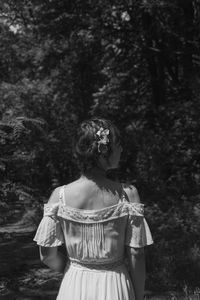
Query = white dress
x=95 y=242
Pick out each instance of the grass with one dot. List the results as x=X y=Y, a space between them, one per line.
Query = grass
x=186 y=294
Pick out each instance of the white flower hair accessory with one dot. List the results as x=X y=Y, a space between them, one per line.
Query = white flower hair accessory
x=103 y=139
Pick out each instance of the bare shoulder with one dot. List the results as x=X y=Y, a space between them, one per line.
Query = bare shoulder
x=76 y=193
x=132 y=193
x=54 y=197
x=70 y=188
x=77 y=187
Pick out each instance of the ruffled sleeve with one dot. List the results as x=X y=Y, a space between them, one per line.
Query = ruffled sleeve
x=49 y=232
x=138 y=233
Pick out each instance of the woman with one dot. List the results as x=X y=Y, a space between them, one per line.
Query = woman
x=101 y=224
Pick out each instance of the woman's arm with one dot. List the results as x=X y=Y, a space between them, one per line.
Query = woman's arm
x=136 y=265
x=136 y=256
x=52 y=258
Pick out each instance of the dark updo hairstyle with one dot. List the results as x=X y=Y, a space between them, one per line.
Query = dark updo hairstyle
x=86 y=150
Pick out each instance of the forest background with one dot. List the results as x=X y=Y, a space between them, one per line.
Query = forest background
x=134 y=62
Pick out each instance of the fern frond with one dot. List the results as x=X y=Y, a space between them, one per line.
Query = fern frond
x=34 y=123
x=18 y=128
x=38 y=121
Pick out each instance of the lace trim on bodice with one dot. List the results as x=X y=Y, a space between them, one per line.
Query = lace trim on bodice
x=101 y=215
x=89 y=216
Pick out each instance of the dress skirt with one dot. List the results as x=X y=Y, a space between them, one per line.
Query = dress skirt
x=81 y=283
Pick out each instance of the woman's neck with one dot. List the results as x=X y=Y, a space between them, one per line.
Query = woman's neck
x=94 y=173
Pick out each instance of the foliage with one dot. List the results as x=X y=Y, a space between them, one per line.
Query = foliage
x=136 y=63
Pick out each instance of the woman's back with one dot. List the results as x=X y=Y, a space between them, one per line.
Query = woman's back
x=88 y=194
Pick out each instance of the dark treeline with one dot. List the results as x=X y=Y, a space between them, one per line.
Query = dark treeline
x=134 y=62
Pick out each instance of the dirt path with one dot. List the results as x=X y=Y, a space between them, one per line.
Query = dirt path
x=22 y=275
